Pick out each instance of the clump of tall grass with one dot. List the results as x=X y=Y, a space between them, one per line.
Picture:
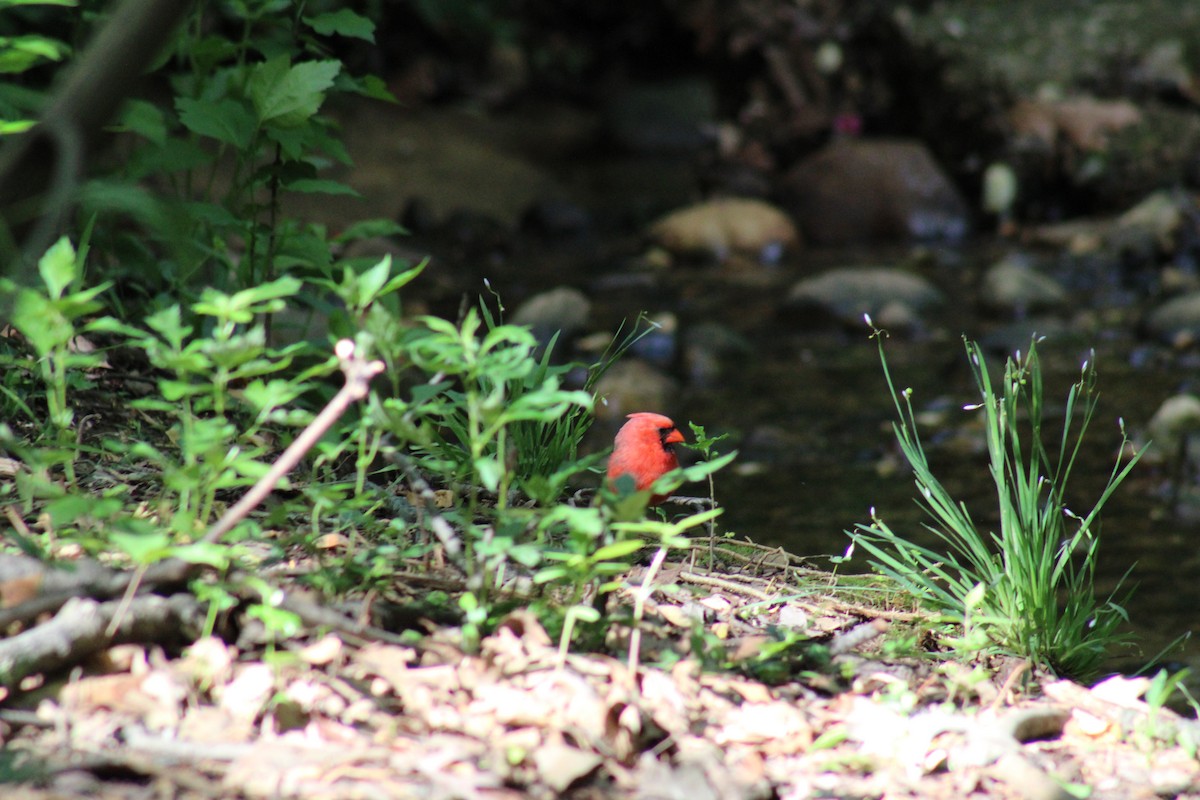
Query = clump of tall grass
x=1027 y=588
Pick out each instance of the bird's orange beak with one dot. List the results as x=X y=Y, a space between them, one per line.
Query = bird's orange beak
x=673 y=436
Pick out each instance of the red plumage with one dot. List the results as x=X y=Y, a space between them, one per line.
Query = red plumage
x=644 y=449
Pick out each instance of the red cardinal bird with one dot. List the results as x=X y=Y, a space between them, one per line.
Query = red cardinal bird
x=645 y=449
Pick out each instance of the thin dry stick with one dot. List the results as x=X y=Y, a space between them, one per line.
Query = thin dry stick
x=358 y=378
x=639 y=606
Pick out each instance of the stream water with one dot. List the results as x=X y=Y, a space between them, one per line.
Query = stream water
x=808 y=409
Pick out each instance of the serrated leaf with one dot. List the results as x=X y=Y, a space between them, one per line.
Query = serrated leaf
x=57 y=267
x=224 y=120
x=343 y=22
x=287 y=95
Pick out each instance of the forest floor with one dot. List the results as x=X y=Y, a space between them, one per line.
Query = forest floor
x=761 y=679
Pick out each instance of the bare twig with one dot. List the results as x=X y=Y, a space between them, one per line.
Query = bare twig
x=639 y=608
x=359 y=373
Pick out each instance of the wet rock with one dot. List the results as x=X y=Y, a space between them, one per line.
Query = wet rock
x=1008 y=339
x=1151 y=228
x=556 y=219
x=1013 y=285
x=1153 y=225
x=844 y=295
x=706 y=346
x=666 y=117
x=633 y=385
x=723 y=227
x=659 y=346
x=1177 y=321
x=1085 y=122
x=873 y=190
x=418 y=216
x=563 y=311
x=477 y=235
x=1174 y=424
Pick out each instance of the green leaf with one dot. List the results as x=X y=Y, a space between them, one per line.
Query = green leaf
x=214 y=555
x=169 y=325
x=370 y=86
x=490 y=471
x=19 y=53
x=286 y=95
x=13 y=126
x=320 y=186
x=343 y=22
x=224 y=120
x=144 y=119
x=369 y=229
x=57 y=267
x=617 y=550
x=143 y=548
x=40 y=322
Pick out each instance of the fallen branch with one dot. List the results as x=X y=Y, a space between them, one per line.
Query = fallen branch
x=80 y=629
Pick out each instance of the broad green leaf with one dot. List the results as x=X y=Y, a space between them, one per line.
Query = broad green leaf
x=287 y=95
x=368 y=86
x=371 y=281
x=370 y=228
x=142 y=548
x=320 y=186
x=617 y=550
x=224 y=120
x=343 y=22
x=144 y=119
x=19 y=53
x=214 y=555
x=40 y=322
x=490 y=471
x=168 y=323
x=57 y=267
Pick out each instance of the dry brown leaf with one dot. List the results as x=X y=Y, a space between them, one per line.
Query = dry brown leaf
x=208 y=724
x=391 y=663
x=777 y=727
x=665 y=703
x=675 y=615
x=1085 y=122
x=331 y=541
x=247 y=694
x=1122 y=691
x=559 y=765
x=1083 y=723
x=208 y=662
x=323 y=651
x=716 y=603
x=120 y=693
